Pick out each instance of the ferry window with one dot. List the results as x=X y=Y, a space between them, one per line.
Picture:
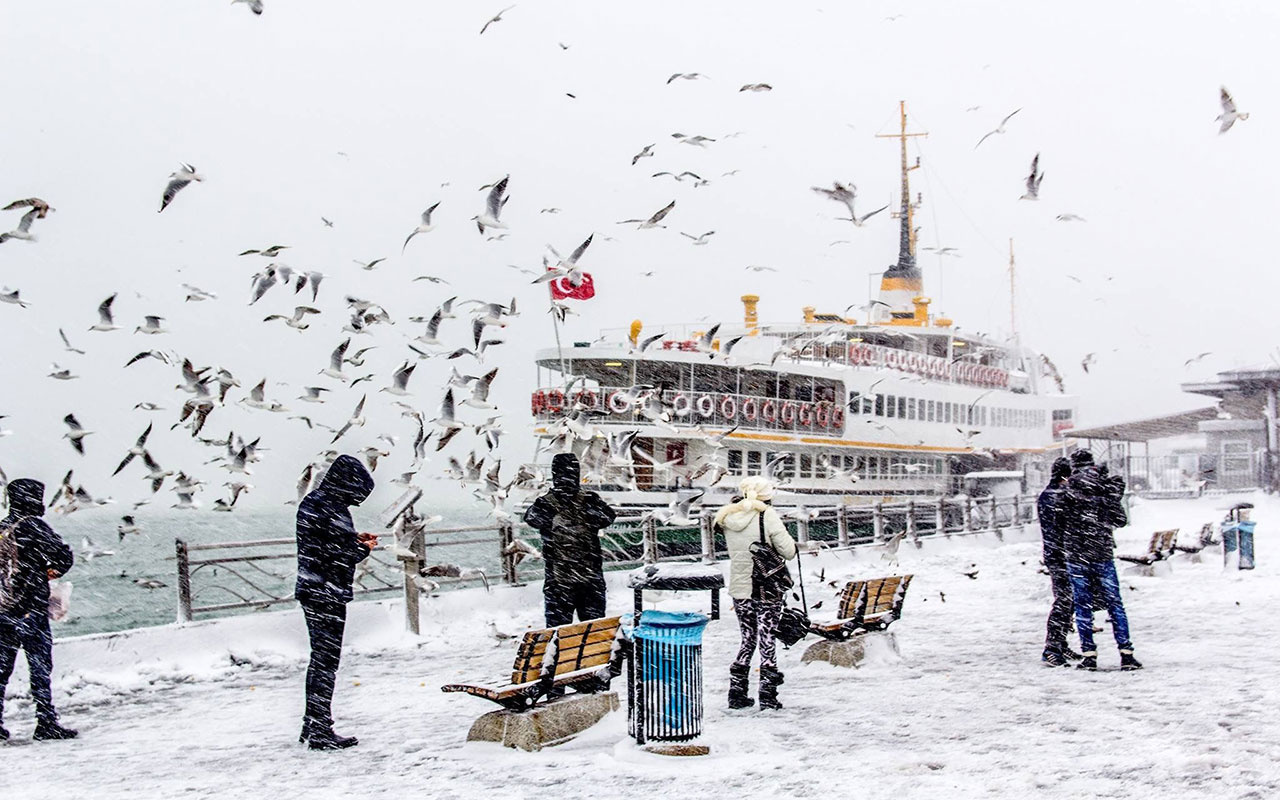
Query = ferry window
x=735 y=462
x=806 y=466
x=946 y=412
x=1061 y=414
x=753 y=462
x=879 y=405
x=932 y=408
x=855 y=403
x=911 y=408
x=982 y=415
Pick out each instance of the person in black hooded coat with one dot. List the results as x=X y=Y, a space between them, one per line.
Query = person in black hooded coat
x=24 y=622
x=1052 y=534
x=328 y=550
x=570 y=520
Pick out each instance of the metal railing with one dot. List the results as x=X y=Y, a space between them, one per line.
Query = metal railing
x=632 y=540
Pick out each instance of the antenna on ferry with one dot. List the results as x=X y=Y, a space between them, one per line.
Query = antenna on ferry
x=901 y=283
x=1013 y=296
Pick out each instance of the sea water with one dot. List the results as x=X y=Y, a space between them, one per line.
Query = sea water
x=110 y=592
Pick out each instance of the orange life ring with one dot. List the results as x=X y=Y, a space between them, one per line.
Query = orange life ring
x=682 y=405
x=823 y=414
x=707 y=409
x=587 y=398
x=618 y=403
x=805 y=415
x=769 y=411
x=728 y=406
x=538 y=401
x=891 y=359
x=750 y=409
x=788 y=419
x=837 y=417
x=555 y=401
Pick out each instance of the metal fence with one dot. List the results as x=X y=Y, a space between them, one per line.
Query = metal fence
x=244 y=576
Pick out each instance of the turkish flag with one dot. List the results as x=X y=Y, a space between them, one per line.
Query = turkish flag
x=562 y=289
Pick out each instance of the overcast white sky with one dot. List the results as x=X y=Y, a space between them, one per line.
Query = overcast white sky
x=104 y=100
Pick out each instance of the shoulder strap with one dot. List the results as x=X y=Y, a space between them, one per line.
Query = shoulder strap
x=760 y=522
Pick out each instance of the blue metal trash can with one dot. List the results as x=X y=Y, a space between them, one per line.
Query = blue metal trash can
x=664 y=697
x=1238 y=536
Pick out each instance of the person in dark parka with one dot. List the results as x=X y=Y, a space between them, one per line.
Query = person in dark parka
x=328 y=550
x=570 y=520
x=1092 y=508
x=24 y=621
x=1049 y=511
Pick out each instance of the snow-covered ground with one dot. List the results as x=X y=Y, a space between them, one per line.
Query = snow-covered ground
x=212 y=710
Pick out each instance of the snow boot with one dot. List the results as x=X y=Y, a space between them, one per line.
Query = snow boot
x=51 y=732
x=306 y=730
x=1088 y=662
x=4 y=734
x=739 y=685
x=1053 y=658
x=1071 y=655
x=323 y=738
x=770 y=680
x=1127 y=662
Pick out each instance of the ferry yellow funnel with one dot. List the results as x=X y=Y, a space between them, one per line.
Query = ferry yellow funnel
x=636 y=327
x=750 y=318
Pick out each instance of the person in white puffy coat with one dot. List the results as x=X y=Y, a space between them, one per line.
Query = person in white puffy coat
x=740 y=522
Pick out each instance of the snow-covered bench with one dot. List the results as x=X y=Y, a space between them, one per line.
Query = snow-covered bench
x=1161 y=548
x=584 y=656
x=867 y=605
x=1206 y=539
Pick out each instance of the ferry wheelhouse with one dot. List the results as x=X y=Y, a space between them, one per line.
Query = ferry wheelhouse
x=836 y=409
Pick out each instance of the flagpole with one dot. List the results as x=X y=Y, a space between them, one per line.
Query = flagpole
x=555 y=324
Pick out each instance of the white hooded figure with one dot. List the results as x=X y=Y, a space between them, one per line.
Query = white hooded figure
x=757 y=619
x=739 y=522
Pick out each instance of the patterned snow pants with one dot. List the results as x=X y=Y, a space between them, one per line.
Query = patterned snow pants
x=757 y=620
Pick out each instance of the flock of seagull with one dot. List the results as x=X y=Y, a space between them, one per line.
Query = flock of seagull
x=207 y=390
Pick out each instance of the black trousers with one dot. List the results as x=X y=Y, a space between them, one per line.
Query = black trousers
x=561 y=600
x=325 y=626
x=29 y=633
x=1059 y=623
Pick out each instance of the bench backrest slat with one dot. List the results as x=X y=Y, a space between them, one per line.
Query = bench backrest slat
x=853 y=593
x=579 y=645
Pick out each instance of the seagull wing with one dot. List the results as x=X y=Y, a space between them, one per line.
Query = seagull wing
x=494 y=202
x=662 y=212
x=104 y=310
x=339 y=353
x=176 y=185
x=1228 y=105
x=582 y=248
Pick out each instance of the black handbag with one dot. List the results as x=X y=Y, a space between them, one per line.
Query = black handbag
x=770 y=578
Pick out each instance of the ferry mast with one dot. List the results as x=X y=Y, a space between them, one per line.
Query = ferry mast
x=901 y=283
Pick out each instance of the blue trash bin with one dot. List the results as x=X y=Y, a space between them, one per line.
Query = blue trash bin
x=1238 y=536
x=665 y=689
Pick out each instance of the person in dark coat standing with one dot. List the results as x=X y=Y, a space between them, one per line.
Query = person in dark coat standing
x=37 y=555
x=570 y=520
x=328 y=550
x=1092 y=508
x=1049 y=511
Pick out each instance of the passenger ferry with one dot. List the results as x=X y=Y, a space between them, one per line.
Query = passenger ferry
x=837 y=409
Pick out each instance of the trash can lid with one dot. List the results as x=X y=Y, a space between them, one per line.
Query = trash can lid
x=673 y=619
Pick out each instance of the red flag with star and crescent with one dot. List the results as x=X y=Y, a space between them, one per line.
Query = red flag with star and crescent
x=563 y=288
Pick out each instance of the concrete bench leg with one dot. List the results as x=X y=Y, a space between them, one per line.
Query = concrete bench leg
x=545 y=725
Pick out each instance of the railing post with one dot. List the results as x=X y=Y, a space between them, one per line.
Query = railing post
x=912 y=533
x=995 y=523
x=649 y=530
x=707 y=521
x=842 y=525
x=411 y=563
x=940 y=519
x=877 y=522
x=184 y=580
x=967 y=513
x=506 y=537
x=1017 y=511
x=802 y=530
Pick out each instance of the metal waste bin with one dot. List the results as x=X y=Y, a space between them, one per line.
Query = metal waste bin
x=1237 y=537
x=664 y=693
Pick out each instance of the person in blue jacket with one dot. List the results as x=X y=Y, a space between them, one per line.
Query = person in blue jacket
x=328 y=550
x=31 y=554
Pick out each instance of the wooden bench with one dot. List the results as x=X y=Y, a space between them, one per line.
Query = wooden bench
x=1162 y=547
x=867 y=605
x=584 y=656
x=1206 y=539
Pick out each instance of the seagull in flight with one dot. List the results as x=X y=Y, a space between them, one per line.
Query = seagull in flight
x=424 y=227
x=298 y=320
x=1033 y=180
x=105 y=320
x=698 y=141
x=686 y=76
x=177 y=182
x=368 y=266
x=647 y=152
x=756 y=87
x=493 y=207
x=269 y=252
x=652 y=222
x=496 y=18
x=1228 y=116
x=846 y=195
x=23 y=231
x=254 y=5
x=700 y=239
x=328 y=223
x=999 y=128
x=1070 y=218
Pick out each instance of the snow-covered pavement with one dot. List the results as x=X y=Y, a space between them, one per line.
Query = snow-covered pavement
x=212 y=710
